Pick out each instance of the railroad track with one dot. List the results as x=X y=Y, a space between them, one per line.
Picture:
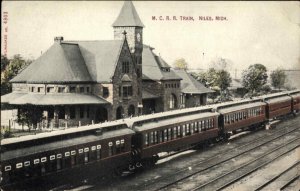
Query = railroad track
x=229 y=178
x=282 y=175
x=226 y=155
x=290 y=182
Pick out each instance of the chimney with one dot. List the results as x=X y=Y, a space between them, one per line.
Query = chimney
x=58 y=39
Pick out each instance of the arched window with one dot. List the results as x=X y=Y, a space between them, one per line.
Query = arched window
x=172 y=101
x=120 y=112
x=131 y=110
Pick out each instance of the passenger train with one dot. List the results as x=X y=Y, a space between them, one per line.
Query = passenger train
x=133 y=142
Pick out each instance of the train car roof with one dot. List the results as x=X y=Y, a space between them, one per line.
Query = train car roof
x=274 y=95
x=278 y=99
x=165 y=122
x=61 y=132
x=58 y=144
x=240 y=107
x=130 y=121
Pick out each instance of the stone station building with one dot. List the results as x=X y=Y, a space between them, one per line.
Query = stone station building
x=82 y=82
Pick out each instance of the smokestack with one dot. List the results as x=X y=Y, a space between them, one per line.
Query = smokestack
x=58 y=39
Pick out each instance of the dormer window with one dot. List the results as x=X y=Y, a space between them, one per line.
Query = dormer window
x=125 y=67
x=61 y=89
x=50 y=89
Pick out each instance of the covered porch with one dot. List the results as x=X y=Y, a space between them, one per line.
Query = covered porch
x=58 y=110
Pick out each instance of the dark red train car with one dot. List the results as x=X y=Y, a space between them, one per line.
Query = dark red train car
x=234 y=117
x=278 y=106
x=81 y=152
x=163 y=135
x=296 y=102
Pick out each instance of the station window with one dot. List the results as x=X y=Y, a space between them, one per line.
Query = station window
x=81 y=111
x=72 y=112
x=72 y=89
x=81 y=89
x=125 y=67
x=87 y=89
x=127 y=91
x=105 y=92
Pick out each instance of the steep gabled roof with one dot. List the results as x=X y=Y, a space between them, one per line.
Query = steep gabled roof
x=128 y=16
x=191 y=85
x=61 y=63
x=101 y=57
x=153 y=66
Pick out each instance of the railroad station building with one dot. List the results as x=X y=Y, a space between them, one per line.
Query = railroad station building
x=77 y=83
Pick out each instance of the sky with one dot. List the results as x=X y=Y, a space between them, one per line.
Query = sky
x=253 y=32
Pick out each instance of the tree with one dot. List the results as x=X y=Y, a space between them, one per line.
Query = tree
x=10 y=70
x=30 y=116
x=217 y=79
x=4 y=62
x=254 y=78
x=278 y=78
x=181 y=64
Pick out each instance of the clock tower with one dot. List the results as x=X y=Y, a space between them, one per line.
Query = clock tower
x=130 y=22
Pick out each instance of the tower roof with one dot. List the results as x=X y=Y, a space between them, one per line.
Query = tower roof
x=128 y=16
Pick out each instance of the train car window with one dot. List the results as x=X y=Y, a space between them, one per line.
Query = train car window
x=67 y=154
x=174 y=132
x=27 y=163
x=192 y=128
x=99 y=146
x=73 y=160
x=93 y=154
x=165 y=135
x=155 y=137
x=80 y=151
x=52 y=157
x=87 y=149
x=74 y=152
x=19 y=165
x=170 y=134
x=196 y=126
x=58 y=163
x=160 y=136
x=118 y=147
x=183 y=130
x=98 y=154
x=36 y=161
x=146 y=139
x=86 y=157
x=93 y=148
x=7 y=168
x=151 y=138
x=44 y=159
x=110 y=148
x=188 y=129
x=59 y=156
x=43 y=169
